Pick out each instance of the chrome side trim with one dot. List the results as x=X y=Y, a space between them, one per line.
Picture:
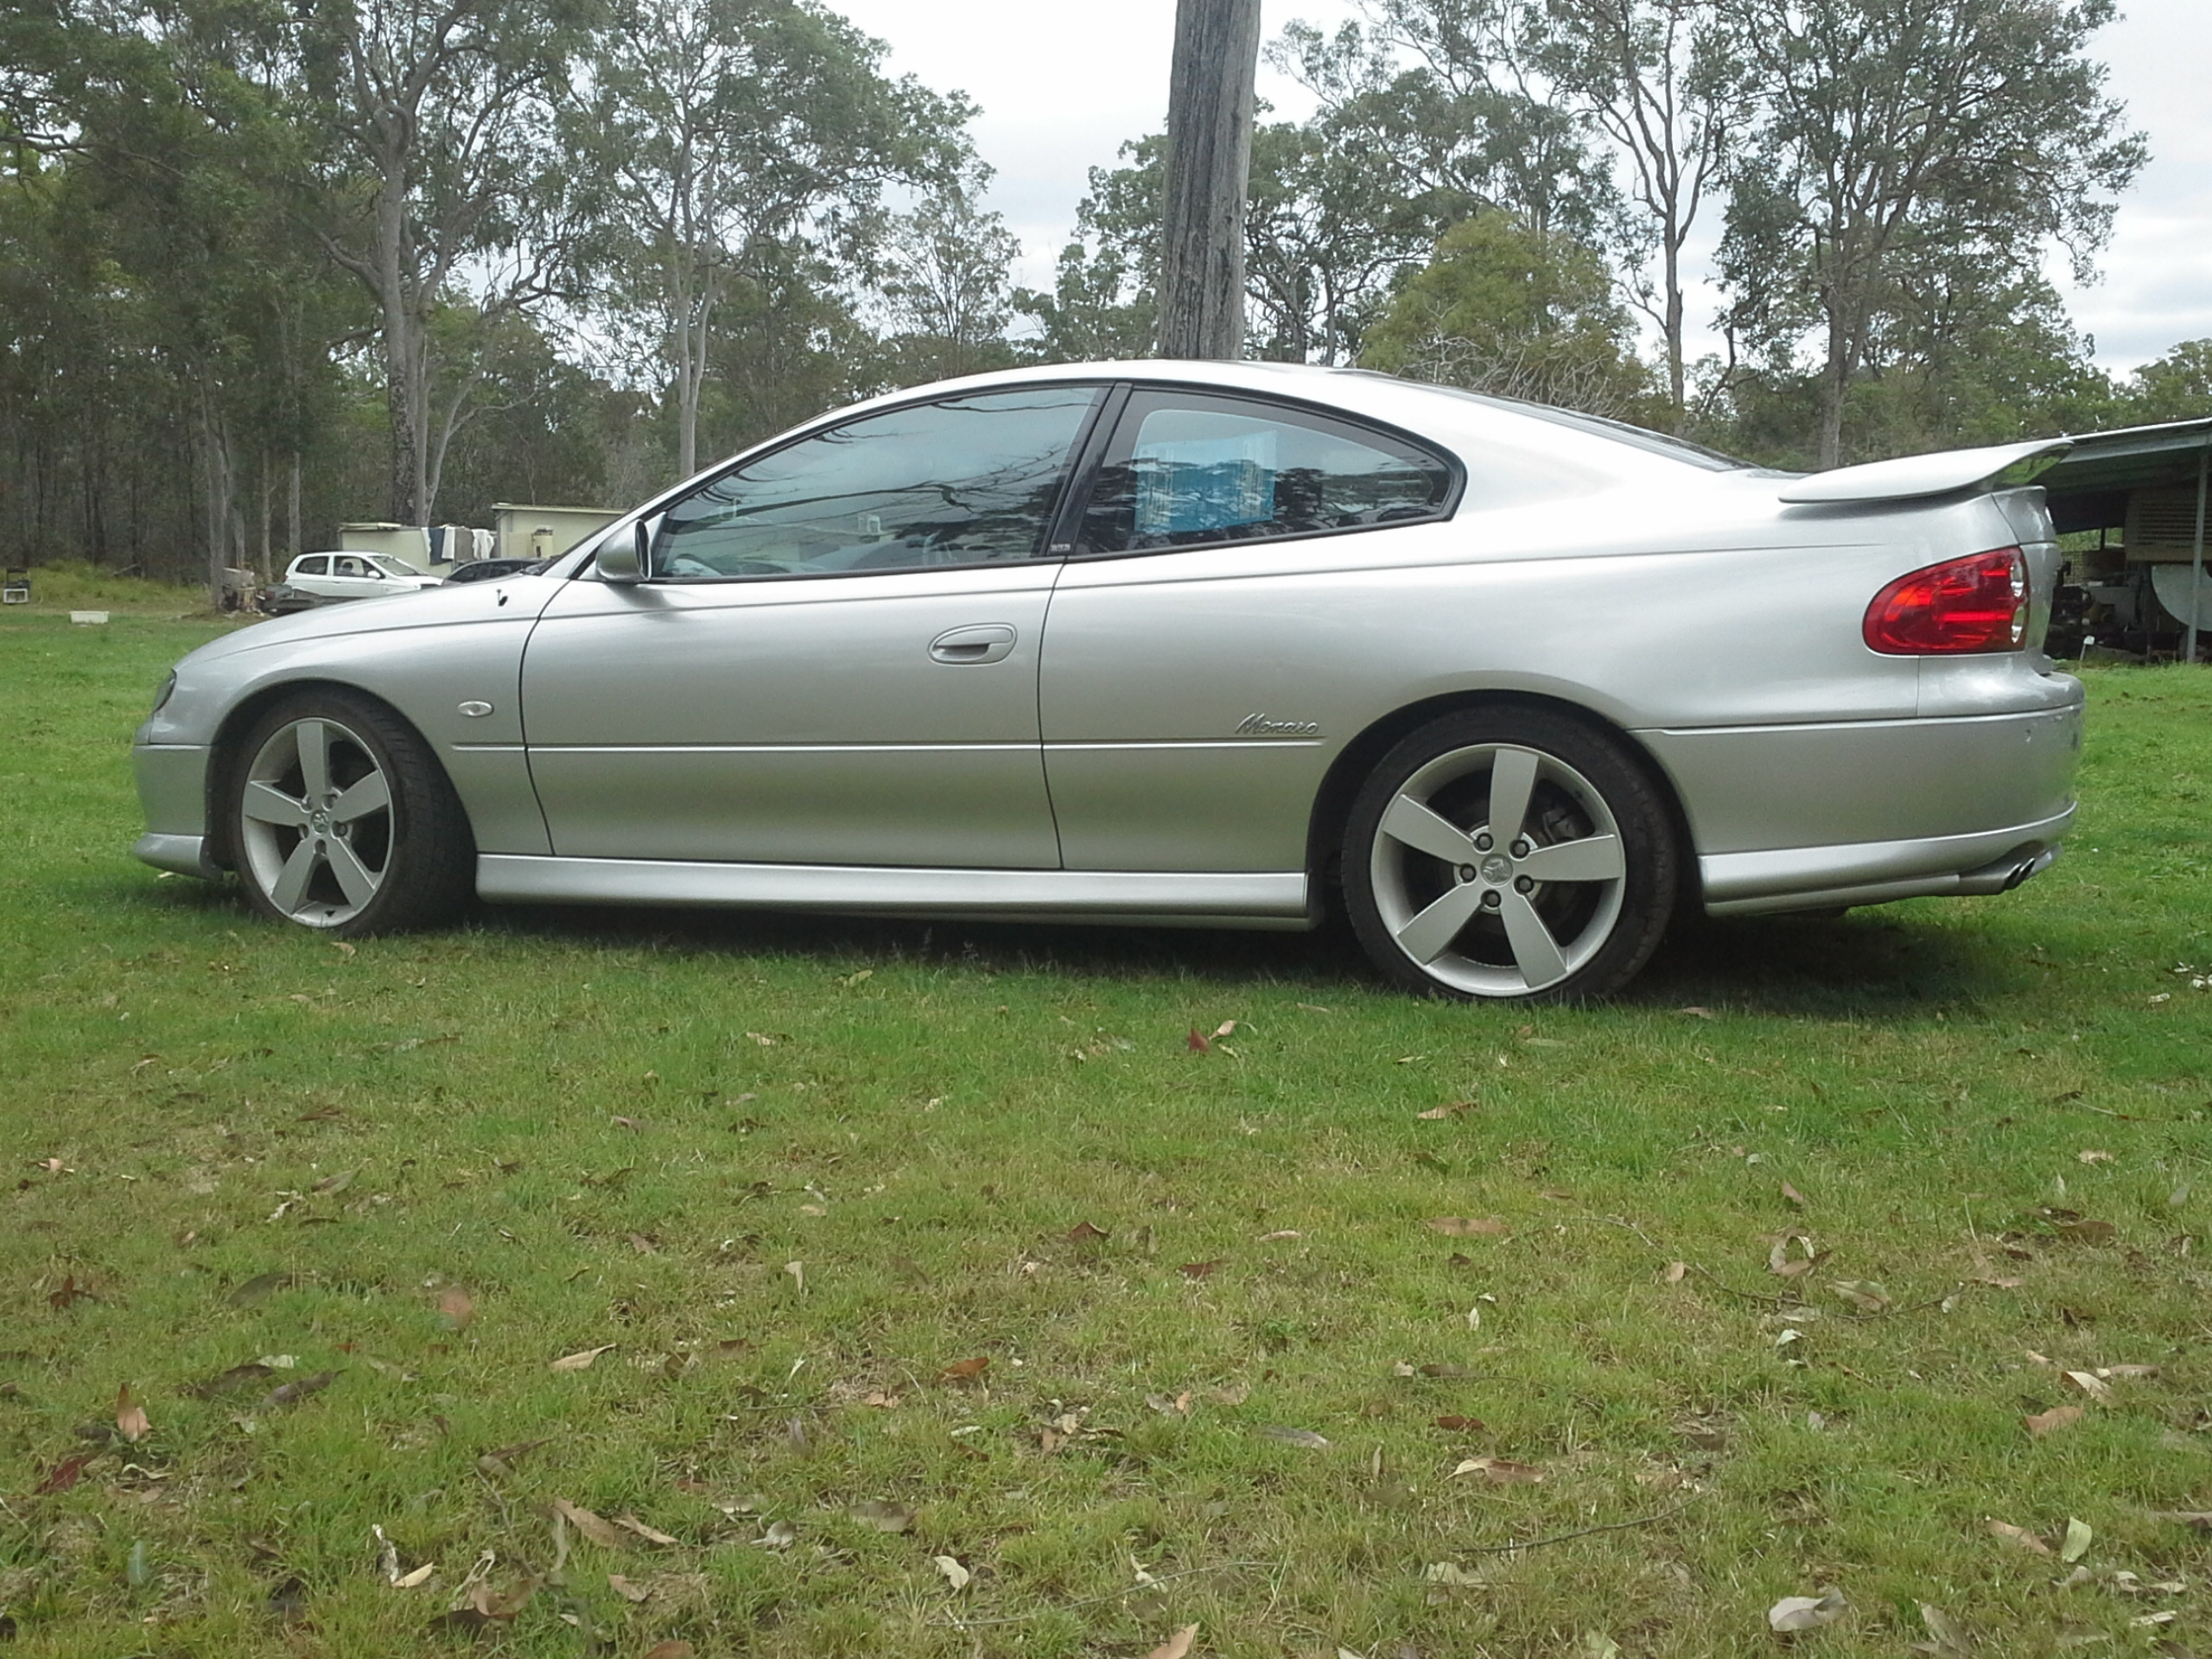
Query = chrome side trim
x=1095 y=895
x=1872 y=872
x=184 y=855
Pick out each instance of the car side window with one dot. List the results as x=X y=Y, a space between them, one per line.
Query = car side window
x=966 y=480
x=347 y=568
x=1189 y=469
x=317 y=566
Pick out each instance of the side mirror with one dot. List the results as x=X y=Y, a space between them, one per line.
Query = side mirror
x=626 y=556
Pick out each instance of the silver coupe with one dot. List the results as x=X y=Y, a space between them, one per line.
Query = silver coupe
x=1224 y=645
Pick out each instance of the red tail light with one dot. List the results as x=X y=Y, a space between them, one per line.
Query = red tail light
x=1962 y=605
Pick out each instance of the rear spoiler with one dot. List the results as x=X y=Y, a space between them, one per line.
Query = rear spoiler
x=2000 y=466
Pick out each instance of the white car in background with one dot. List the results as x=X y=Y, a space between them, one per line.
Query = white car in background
x=354 y=576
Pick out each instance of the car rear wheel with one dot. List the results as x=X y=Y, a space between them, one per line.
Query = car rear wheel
x=342 y=820
x=1509 y=854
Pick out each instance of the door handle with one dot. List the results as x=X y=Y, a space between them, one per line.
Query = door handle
x=982 y=642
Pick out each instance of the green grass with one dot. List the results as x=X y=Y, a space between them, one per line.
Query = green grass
x=572 y=1118
x=73 y=584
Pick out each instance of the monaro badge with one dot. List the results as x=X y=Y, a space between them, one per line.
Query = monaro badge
x=1260 y=726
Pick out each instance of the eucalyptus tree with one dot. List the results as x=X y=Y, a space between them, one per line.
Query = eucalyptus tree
x=439 y=181
x=1666 y=82
x=1975 y=134
x=944 y=281
x=735 y=140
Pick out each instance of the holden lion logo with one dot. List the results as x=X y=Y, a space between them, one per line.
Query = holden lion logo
x=1260 y=726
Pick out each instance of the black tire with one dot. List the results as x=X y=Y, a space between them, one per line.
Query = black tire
x=335 y=859
x=1569 y=910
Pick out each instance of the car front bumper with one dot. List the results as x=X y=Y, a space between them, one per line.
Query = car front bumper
x=172 y=780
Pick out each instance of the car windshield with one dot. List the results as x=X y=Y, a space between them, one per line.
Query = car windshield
x=393 y=567
x=1599 y=426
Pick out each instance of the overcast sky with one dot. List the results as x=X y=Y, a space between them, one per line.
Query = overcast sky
x=1061 y=86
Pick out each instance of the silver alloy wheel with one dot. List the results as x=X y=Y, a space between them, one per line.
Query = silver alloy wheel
x=1498 y=869
x=315 y=821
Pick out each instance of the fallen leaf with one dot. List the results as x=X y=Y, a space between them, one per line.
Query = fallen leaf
x=628 y=1589
x=1456 y=1425
x=597 y=1530
x=2084 y=1231
x=1449 y=1573
x=2093 y=1157
x=1796 y=1199
x=651 y=1534
x=780 y=1535
x=670 y=1650
x=256 y=1288
x=1862 y=1293
x=63 y=1475
x=1675 y=1273
x=420 y=1576
x=1196 y=1042
x=1468 y=1227
x=2018 y=1537
x=68 y=1294
x=965 y=1370
x=1996 y=1282
x=1226 y=1028
x=1438 y=1114
x=1702 y=1014
x=1199 y=1269
x=455 y=1307
x=583 y=1362
x=2058 y=1417
x=2078 y=1539
x=798 y=1271
x=1503 y=1471
x=882 y=1514
x=955 y=1574
x=2094 y=1386
x=337 y=1183
x=1944 y=1635
x=1176 y=1646
x=237 y=1376
x=1289 y=1436
x=2127 y=1370
x=1279 y=1234
x=292 y=1393
x=130 y=1418
x=1805 y=1612
x=2201 y=1519
x=1082 y=1232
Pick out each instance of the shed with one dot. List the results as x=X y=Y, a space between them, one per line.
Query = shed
x=528 y=532
x=2143 y=491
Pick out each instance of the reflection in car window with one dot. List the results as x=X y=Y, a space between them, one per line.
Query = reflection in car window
x=319 y=565
x=966 y=481
x=1186 y=469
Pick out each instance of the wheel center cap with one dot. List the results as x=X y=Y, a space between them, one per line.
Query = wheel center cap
x=319 y=822
x=1497 y=868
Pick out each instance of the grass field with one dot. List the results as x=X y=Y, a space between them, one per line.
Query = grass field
x=331 y=1215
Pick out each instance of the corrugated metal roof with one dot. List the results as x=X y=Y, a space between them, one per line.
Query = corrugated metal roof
x=2130 y=459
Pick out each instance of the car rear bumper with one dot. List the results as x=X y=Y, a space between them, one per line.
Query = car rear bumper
x=1875 y=873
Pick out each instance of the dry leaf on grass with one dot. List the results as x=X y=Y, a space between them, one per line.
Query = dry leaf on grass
x=1439 y=1114
x=1176 y=1646
x=955 y=1574
x=1863 y=1293
x=2078 y=1539
x=670 y=1650
x=63 y=1475
x=1468 y=1227
x=2058 y=1417
x=780 y=1535
x=1084 y=1232
x=1503 y=1471
x=2096 y=1387
x=1449 y=1573
x=583 y=1362
x=292 y=1393
x=798 y=1271
x=1196 y=1042
x=1675 y=1273
x=1805 y=1612
x=1457 y=1424
x=1199 y=1269
x=2092 y=1156
x=130 y=1417
x=882 y=1514
x=600 y=1531
x=628 y=1589
x=651 y=1534
x=2201 y=1519
x=238 y=1376
x=1796 y=1200
x=456 y=1308
x=2018 y=1537
x=1289 y=1436
x=1944 y=1635
x=965 y=1370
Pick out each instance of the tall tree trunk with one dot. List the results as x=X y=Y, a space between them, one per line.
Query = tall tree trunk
x=292 y=548
x=1677 y=388
x=1208 y=163
x=215 y=465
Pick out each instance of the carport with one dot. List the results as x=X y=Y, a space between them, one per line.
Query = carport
x=2142 y=491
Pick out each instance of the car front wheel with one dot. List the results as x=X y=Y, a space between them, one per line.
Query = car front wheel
x=342 y=820
x=1509 y=854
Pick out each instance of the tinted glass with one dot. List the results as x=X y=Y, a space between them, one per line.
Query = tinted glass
x=1185 y=470
x=317 y=566
x=970 y=480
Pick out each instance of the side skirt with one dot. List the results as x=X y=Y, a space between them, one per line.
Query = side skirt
x=1231 y=899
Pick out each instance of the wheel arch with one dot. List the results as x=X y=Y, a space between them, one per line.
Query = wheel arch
x=1333 y=803
x=225 y=752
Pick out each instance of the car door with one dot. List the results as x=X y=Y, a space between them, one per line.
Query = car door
x=833 y=659
x=311 y=575
x=1188 y=703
